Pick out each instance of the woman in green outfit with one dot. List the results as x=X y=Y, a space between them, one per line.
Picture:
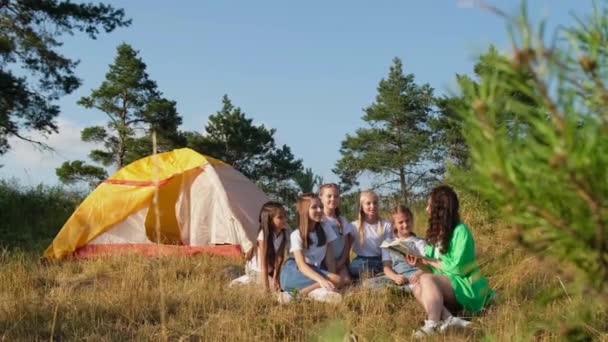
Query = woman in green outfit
x=455 y=282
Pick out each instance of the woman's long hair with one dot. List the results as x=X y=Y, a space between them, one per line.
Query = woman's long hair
x=443 y=217
x=269 y=211
x=361 y=215
x=337 y=211
x=305 y=223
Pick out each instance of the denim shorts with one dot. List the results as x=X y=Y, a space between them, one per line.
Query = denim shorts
x=292 y=279
x=364 y=264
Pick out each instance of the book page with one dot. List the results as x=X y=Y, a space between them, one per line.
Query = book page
x=401 y=247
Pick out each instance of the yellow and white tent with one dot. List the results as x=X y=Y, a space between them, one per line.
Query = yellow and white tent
x=202 y=205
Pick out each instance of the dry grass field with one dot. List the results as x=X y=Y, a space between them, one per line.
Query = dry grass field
x=187 y=299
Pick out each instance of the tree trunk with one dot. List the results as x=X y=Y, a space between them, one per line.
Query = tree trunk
x=122 y=134
x=403 y=186
x=121 y=155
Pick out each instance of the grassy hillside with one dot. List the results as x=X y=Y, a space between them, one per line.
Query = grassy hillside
x=187 y=298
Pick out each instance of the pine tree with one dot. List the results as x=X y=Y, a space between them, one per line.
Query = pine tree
x=135 y=107
x=545 y=166
x=29 y=39
x=307 y=181
x=396 y=142
x=233 y=138
x=449 y=142
x=448 y=138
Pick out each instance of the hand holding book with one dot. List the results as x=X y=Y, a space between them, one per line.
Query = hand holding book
x=402 y=247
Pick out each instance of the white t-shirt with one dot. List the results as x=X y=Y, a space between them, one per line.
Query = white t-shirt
x=254 y=264
x=371 y=245
x=314 y=255
x=347 y=229
x=418 y=243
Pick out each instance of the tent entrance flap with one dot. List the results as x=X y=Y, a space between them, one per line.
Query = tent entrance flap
x=165 y=210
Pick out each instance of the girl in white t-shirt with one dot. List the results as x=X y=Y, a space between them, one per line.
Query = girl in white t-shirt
x=371 y=232
x=264 y=260
x=344 y=230
x=311 y=245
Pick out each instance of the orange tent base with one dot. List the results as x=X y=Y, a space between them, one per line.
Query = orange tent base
x=152 y=250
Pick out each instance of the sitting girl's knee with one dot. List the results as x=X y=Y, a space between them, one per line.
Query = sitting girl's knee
x=345 y=280
x=426 y=277
x=334 y=278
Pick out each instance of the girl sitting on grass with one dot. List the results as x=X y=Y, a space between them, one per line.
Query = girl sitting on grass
x=311 y=245
x=455 y=282
x=397 y=271
x=371 y=232
x=264 y=260
x=344 y=230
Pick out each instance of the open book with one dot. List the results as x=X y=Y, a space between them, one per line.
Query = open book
x=402 y=247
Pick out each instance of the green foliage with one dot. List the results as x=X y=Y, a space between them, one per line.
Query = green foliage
x=349 y=204
x=396 y=143
x=545 y=164
x=447 y=132
x=31 y=216
x=29 y=39
x=77 y=171
x=135 y=107
x=133 y=103
x=233 y=138
x=449 y=142
x=333 y=330
x=307 y=181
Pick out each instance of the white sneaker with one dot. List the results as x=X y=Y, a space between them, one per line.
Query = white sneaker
x=429 y=328
x=242 y=280
x=325 y=295
x=453 y=321
x=283 y=297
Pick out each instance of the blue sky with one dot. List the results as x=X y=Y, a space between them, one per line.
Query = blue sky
x=304 y=68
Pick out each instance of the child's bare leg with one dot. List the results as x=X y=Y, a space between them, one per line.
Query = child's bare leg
x=332 y=277
x=305 y=291
x=345 y=276
x=335 y=279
